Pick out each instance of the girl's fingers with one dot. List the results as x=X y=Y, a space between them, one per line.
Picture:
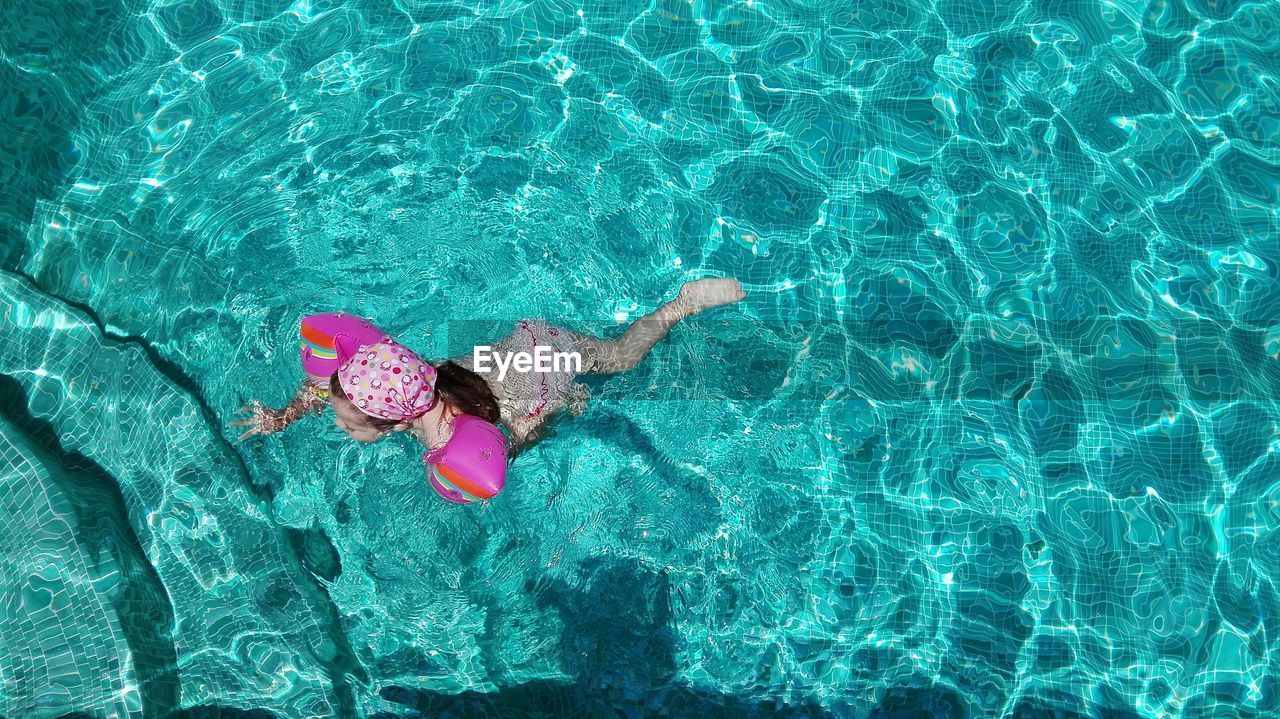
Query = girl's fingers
x=254 y=423
x=257 y=409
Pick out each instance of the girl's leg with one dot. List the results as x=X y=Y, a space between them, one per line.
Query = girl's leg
x=601 y=356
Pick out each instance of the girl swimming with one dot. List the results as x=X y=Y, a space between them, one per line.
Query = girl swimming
x=377 y=386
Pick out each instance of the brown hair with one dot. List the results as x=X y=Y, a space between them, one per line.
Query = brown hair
x=467 y=391
x=455 y=384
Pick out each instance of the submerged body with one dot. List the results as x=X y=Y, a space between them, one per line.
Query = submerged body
x=528 y=400
x=376 y=385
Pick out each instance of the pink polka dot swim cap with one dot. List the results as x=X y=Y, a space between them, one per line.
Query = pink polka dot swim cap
x=387 y=381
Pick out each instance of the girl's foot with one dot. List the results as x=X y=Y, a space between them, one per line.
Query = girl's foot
x=700 y=295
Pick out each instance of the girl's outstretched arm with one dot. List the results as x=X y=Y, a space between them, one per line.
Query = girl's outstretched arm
x=266 y=420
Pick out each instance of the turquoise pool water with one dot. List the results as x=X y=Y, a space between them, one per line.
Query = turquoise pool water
x=994 y=433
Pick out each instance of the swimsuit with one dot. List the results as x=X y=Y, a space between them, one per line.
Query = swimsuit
x=526 y=399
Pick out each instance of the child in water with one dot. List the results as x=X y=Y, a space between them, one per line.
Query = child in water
x=377 y=386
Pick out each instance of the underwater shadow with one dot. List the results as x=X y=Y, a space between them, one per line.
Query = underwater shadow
x=619 y=645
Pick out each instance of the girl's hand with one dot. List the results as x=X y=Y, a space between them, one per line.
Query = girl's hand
x=265 y=420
